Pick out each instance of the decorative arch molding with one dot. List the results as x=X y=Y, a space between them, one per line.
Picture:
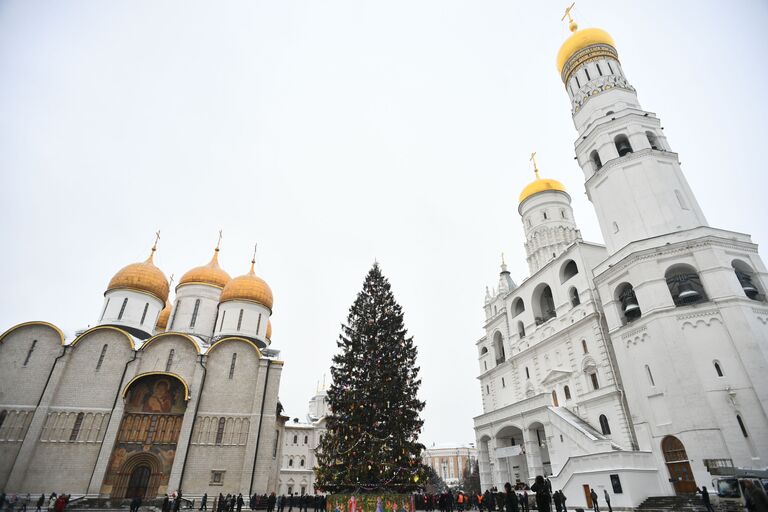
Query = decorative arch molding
x=506 y=426
x=588 y=363
x=172 y=333
x=134 y=461
x=104 y=328
x=239 y=339
x=705 y=318
x=35 y=322
x=168 y=374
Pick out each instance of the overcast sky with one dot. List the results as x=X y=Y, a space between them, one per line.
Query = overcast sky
x=336 y=133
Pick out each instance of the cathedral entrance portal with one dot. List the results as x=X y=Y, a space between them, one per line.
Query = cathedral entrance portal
x=146 y=442
x=511 y=463
x=678 y=465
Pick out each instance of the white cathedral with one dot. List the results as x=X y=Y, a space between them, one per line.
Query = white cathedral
x=638 y=367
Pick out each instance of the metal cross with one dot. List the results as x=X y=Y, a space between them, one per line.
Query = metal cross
x=535 y=167
x=218 y=244
x=568 y=13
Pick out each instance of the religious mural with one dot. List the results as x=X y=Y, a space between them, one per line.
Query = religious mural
x=146 y=443
x=371 y=503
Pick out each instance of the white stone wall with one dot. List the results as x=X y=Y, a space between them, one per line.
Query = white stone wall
x=253 y=323
x=133 y=314
x=183 y=310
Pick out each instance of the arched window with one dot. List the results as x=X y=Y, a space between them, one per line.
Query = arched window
x=194 y=314
x=76 y=427
x=29 y=353
x=240 y=320
x=592 y=374
x=221 y=325
x=567 y=392
x=295 y=439
x=629 y=309
x=554 y=398
x=653 y=140
x=521 y=329
x=105 y=310
x=518 y=306
x=604 y=427
x=220 y=431
x=169 y=363
x=122 y=309
x=101 y=356
x=595 y=157
x=573 y=294
x=498 y=346
x=569 y=269
x=175 y=313
x=650 y=375
x=144 y=313
x=306 y=439
x=232 y=365
x=685 y=285
x=741 y=426
x=718 y=369
x=747 y=280
x=290 y=462
x=527 y=373
x=484 y=350
x=301 y=463
x=584 y=346
x=545 y=214
x=543 y=304
x=622 y=145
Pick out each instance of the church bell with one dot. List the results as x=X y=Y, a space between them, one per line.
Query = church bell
x=629 y=304
x=746 y=284
x=687 y=293
x=623 y=147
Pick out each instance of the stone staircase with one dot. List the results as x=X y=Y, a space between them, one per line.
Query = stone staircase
x=692 y=503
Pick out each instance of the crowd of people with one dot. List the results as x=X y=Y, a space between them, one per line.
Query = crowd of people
x=51 y=503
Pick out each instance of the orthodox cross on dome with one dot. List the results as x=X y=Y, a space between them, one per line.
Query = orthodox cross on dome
x=255 y=246
x=170 y=281
x=571 y=24
x=535 y=167
x=218 y=243
x=157 y=237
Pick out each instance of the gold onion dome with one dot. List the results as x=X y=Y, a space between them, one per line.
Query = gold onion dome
x=211 y=274
x=540 y=185
x=581 y=39
x=248 y=287
x=143 y=277
x=162 y=319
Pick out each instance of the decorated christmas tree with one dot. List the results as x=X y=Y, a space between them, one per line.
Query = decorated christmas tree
x=371 y=444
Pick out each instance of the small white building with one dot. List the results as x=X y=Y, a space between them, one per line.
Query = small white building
x=450 y=460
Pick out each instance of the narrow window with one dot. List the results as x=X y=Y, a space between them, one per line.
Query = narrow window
x=586 y=71
x=175 y=312
x=578 y=84
x=718 y=369
x=105 y=310
x=545 y=215
x=232 y=365
x=650 y=375
x=76 y=427
x=122 y=309
x=220 y=432
x=681 y=200
x=615 y=227
x=554 y=398
x=485 y=363
x=295 y=439
x=575 y=300
x=584 y=346
x=306 y=439
x=567 y=392
x=221 y=325
x=170 y=361
x=604 y=427
x=610 y=68
x=600 y=71
x=290 y=462
x=595 y=157
x=3 y=414
x=562 y=213
x=503 y=384
x=274 y=446
x=29 y=353
x=527 y=373
x=487 y=389
x=240 y=320
x=741 y=426
x=301 y=463
x=521 y=329
x=101 y=357
x=593 y=378
x=194 y=314
x=144 y=314
x=258 y=324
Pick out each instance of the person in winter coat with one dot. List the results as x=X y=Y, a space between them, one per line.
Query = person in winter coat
x=61 y=504
x=593 y=495
x=524 y=501
x=271 y=502
x=40 y=502
x=558 y=503
x=166 y=506
x=542 y=494
x=510 y=498
x=563 y=500
x=607 y=500
x=240 y=502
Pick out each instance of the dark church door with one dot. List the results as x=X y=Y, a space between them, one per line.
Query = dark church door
x=137 y=485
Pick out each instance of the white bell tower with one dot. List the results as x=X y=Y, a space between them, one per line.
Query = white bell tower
x=633 y=177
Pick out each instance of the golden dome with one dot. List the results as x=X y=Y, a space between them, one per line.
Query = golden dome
x=540 y=185
x=144 y=276
x=211 y=274
x=162 y=319
x=269 y=329
x=579 y=40
x=248 y=287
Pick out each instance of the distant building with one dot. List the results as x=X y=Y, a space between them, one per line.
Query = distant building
x=449 y=460
x=300 y=440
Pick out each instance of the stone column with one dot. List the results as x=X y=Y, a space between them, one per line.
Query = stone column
x=185 y=435
x=532 y=455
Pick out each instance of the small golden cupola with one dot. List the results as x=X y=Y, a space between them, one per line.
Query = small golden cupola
x=583 y=46
x=248 y=287
x=162 y=319
x=142 y=277
x=539 y=184
x=210 y=274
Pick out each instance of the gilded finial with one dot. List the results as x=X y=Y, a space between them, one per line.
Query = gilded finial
x=154 y=247
x=502 y=259
x=218 y=243
x=170 y=281
x=571 y=24
x=253 y=258
x=535 y=167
